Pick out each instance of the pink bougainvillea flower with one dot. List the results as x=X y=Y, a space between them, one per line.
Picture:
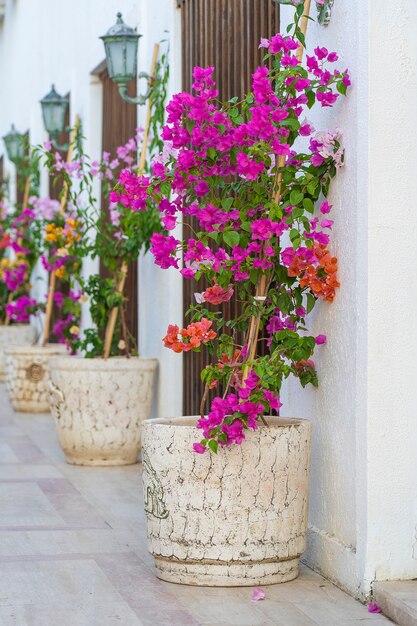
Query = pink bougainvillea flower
x=199 y=448
x=326 y=207
x=257 y=594
x=320 y=340
x=264 y=43
x=374 y=608
x=216 y=294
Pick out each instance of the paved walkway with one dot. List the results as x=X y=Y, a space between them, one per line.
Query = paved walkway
x=73 y=552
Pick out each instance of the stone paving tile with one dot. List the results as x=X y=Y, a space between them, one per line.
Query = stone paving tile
x=73 y=552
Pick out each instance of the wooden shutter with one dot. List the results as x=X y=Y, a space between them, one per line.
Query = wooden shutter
x=119 y=125
x=224 y=34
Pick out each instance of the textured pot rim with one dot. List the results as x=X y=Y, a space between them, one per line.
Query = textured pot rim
x=13 y=326
x=189 y=421
x=36 y=350
x=70 y=363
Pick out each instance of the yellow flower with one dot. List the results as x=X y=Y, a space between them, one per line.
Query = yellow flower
x=84 y=298
x=74 y=330
x=122 y=344
x=60 y=272
x=62 y=252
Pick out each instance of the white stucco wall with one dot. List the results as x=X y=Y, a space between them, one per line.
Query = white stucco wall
x=364 y=485
x=44 y=42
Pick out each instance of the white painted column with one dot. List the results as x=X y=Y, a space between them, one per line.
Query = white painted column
x=160 y=291
x=363 y=511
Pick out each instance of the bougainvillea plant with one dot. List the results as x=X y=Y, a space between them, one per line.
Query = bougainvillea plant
x=110 y=230
x=20 y=246
x=254 y=175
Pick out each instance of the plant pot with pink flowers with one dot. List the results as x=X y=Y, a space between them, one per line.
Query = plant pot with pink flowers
x=45 y=230
x=16 y=264
x=226 y=493
x=100 y=396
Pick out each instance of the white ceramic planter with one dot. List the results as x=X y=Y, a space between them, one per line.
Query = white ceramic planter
x=27 y=376
x=99 y=405
x=14 y=335
x=233 y=519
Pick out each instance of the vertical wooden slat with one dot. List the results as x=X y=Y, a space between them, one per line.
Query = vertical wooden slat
x=226 y=34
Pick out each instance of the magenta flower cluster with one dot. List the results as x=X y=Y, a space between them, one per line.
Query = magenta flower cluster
x=234 y=175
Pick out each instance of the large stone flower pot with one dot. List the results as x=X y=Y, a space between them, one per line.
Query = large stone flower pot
x=232 y=519
x=14 y=335
x=27 y=376
x=99 y=405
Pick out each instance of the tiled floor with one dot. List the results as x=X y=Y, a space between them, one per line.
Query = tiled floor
x=73 y=552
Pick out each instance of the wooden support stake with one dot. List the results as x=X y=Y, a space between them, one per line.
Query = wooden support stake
x=303 y=27
x=148 y=114
x=52 y=277
x=262 y=285
x=111 y=323
x=26 y=193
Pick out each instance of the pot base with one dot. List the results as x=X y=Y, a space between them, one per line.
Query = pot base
x=206 y=574
x=75 y=459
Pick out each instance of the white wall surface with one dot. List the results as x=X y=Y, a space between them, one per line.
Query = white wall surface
x=56 y=41
x=363 y=511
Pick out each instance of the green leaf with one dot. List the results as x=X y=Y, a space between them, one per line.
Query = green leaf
x=341 y=88
x=308 y=205
x=311 y=187
x=311 y=301
x=291 y=123
x=214 y=235
x=227 y=203
x=232 y=238
x=294 y=234
x=296 y=197
x=213 y=445
x=311 y=98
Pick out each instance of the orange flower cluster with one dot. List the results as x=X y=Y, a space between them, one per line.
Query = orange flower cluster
x=321 y=278
x=63 y=236
x=189 y=338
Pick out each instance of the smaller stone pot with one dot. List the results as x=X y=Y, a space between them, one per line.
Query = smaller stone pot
x=14 y=335
x=99 y=406
x=27 y=376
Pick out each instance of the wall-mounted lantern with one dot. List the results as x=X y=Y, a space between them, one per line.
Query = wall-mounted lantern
x=324 y=10
x=121 y=46
x=54 y=109
x=15 y=145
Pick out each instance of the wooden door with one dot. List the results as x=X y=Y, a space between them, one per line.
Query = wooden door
x=224 y=34
x=119 y=125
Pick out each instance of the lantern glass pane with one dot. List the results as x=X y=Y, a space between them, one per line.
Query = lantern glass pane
x=54 y=116
x=15 y=147
x=131 y=57
x=121 y=55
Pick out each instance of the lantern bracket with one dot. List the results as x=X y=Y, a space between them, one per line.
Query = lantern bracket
x=141 y=99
